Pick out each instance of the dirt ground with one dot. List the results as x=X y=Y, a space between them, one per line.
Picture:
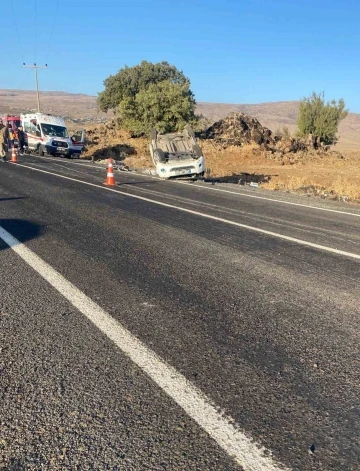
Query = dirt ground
x=327 y=176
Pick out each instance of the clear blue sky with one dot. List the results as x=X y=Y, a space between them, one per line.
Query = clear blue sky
x=233 y=51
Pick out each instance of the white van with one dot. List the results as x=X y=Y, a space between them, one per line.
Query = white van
x=47 y=134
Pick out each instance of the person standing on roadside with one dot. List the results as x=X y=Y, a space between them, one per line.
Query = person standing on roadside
x=21 y=139
x=3 y=140
x=10 y=137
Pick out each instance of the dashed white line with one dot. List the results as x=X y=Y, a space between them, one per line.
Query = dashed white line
x=206 y=216
x=248 y=454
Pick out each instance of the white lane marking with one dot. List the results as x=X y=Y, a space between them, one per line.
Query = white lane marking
x=271 y=199
x=206 y=216
x=194 y=185
x=248 y=454
x=238 y=194
x=63 y=168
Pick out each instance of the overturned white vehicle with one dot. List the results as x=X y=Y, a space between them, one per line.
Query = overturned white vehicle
x=177 y=154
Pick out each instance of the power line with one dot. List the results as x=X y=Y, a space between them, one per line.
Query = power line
x=24 y=80
x=17 y=31
x=35 y=66
x=52 y=30
x=35 y=32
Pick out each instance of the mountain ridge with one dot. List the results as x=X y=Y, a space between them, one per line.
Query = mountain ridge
x=81 y=107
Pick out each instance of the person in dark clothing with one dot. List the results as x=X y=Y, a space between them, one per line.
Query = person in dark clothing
x=21 y=139
x=10 y=137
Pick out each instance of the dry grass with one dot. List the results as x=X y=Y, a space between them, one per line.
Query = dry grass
x=338 y=187
x=138 y=161
x=320 y=175
x=233 y=160
x=329 y=176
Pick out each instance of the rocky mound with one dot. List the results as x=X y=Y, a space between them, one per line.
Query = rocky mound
x=107 y=141
x=239 y=129
x=105 y=131
x=236 y=130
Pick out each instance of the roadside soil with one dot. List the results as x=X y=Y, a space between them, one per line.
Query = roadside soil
x=327 y=175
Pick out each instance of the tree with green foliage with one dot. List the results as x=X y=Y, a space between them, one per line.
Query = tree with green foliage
x=165 y=106
x=320 y=118
x=149 y=95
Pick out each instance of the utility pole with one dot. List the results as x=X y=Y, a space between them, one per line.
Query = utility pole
x=36 y=67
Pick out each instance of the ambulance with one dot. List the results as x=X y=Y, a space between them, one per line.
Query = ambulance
x=47 y=134
x=13 y=120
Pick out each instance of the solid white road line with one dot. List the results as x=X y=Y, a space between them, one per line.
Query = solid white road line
x=318 y=208
x=247 y=453
x=237 y=193
x=206 y=216
x=272 y=199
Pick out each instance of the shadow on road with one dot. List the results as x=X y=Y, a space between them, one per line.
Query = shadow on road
x=13 y=198
x=140 y=182
x=21 y=229
x=242 y=178
x=15 y=465
x=117 y=152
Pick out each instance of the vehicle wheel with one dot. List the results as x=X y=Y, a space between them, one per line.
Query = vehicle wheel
x=197 y=150
x=159 y=156
x=41 y=151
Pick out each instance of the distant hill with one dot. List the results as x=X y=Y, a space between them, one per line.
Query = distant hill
x=82 y=108
x=77 y=107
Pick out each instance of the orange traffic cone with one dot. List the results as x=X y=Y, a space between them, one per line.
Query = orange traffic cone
x=13 y=155
x=110 y=180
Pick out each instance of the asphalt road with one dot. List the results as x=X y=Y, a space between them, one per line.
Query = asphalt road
x=253 y=297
